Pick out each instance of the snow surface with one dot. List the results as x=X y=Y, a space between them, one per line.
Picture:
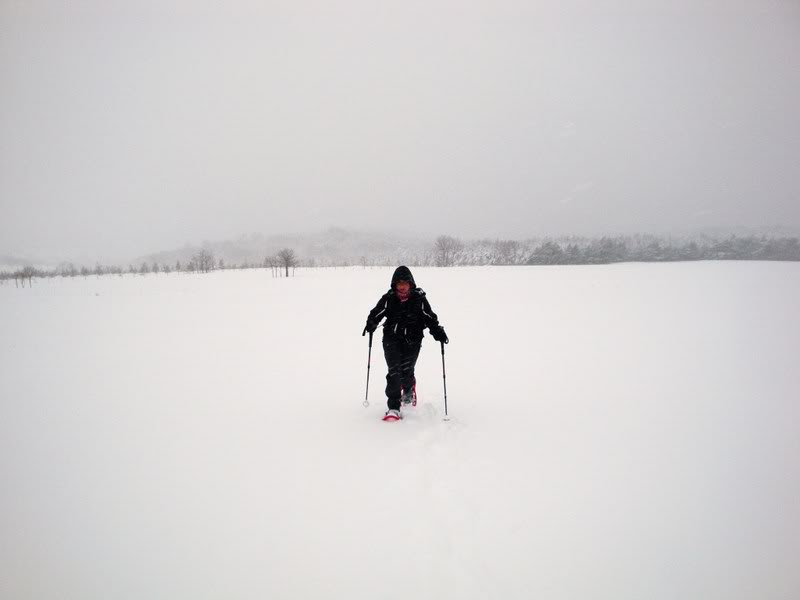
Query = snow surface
x=626 y=431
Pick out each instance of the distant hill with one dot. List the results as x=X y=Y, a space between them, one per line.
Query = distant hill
x=9 y=262
x=337 y=246
x=332 y=246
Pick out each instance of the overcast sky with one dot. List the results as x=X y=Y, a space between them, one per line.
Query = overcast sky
x=129 y=127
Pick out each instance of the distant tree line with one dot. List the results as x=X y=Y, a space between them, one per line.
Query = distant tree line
x=202 y=261
x=449 y=251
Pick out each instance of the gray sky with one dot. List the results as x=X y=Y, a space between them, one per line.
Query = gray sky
x=129 y=127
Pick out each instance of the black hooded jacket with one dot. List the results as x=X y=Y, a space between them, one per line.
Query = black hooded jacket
x=404 y=320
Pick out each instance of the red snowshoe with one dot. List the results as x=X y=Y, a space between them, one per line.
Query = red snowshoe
x=392 y=415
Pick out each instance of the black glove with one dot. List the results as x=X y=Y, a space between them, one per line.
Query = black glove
x=371 y=326
x=439 y=335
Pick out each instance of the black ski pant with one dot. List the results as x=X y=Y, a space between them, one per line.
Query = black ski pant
x=401 y=357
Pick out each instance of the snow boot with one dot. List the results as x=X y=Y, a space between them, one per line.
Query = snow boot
x=392 y=415
x=410 y=398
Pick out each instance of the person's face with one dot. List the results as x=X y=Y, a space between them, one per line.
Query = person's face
x=402 y=288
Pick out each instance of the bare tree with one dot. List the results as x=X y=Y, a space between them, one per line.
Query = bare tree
x=271 y=262
x=23 y=274
x=204 y=261
x=287 y=259
x=67 y=270
x=445 y=250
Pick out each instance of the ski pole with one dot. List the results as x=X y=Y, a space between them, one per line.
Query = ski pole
x=369 y=360
x=444 y=381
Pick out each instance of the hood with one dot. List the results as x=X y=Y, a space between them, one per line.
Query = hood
x=403 y=274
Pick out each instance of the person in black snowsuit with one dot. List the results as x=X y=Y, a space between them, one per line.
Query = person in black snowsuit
x=408 y=313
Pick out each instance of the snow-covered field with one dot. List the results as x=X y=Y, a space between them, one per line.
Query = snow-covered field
x=618 y=432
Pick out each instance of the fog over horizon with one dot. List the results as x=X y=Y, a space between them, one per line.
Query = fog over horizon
x=127 y=129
